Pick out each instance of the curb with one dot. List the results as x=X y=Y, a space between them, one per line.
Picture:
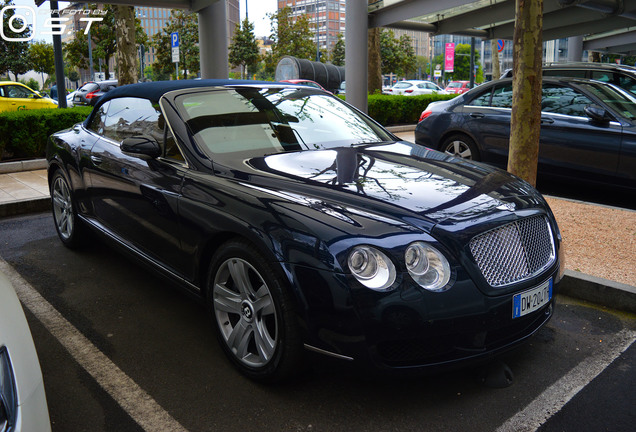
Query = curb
x=403 y=128
x=17 y=208
x=604 y=292
x=18 y=166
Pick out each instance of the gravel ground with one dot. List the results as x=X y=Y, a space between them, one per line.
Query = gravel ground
x=599 y=240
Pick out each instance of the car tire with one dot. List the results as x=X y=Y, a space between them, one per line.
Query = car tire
x=460 y=145
x=254 y=314
x=70 y=229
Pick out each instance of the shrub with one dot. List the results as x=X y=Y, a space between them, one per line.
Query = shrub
x=23 y=134
x=394 y=109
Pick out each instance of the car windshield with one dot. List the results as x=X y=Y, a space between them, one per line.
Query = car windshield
x=252 y=122
x=454 y=84
x=619 y=100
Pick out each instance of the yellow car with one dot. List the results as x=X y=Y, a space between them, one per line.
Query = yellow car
x=15 y=96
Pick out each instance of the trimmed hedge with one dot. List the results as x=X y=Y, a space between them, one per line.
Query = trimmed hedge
x=395 y=109
x=23 y=134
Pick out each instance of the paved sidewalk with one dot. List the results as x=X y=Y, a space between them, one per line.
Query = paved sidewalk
x=23 y=192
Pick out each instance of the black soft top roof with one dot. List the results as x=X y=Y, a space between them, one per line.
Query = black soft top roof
x=154 y=90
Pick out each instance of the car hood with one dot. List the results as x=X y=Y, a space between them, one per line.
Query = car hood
x=397 y=180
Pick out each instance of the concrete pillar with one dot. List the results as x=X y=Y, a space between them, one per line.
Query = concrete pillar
x=575 y=48
x=213 y=42
x=356 y=52
x=58 y=61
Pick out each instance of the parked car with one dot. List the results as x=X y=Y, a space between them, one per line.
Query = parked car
x=304 y=82
x=305 y=225
x=89 y=93
x=414 y=88
x=588 y=129
x=623 y=76
x=15 y=96
x=342 y=90
x=70 y=99
x=458 y=87
x=23 y=406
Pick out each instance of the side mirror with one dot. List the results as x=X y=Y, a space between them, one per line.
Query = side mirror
x=141 y=146
x=597 y=114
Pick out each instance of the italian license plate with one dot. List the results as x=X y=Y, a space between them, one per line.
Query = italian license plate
x=531 y=300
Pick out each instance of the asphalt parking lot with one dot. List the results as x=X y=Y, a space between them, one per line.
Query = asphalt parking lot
x=124 y=350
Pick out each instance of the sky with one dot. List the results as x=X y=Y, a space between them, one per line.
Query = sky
x=257 y=11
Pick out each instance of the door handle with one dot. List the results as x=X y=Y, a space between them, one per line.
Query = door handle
x=546 y=120
x=96 y=159
x=477 y=115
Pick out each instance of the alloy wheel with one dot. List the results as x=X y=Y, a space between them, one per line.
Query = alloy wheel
x=245 y=312
x=63 y=208
x=458 y=148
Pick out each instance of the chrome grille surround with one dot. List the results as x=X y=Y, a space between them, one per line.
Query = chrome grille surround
x=514 y=252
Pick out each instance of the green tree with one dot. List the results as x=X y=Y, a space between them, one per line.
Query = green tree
x=338 y=53
x=290 y=38
x=74 y=77
x=188 y=28
x=398 y=55
x=406 y=55
x=41 y=55
x=76 y=51
x=244 y=49
x=14 y=55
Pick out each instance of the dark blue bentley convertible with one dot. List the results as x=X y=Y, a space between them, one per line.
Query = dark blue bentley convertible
x=304 y=225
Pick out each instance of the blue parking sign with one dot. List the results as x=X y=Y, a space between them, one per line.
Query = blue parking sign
x=174 y=38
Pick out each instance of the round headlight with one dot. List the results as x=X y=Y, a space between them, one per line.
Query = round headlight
x=371 y=268
x=427 y=266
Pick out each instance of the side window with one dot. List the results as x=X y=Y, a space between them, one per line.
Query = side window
x=628 y=83
x=607 y=77
x=483 y=100
x=502 y=96
x=14 y=91
x=574 y=73
x=128 y=117
x=563 y=100
x=97 y=123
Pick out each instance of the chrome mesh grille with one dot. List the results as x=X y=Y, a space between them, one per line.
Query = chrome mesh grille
x=515 y=251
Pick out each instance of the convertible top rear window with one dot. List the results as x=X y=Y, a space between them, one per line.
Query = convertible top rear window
x=272 y=120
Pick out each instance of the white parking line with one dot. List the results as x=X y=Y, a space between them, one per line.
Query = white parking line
x=133 y=399
x=554 y=398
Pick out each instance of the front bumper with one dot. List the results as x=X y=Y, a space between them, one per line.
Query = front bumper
x=411 y=329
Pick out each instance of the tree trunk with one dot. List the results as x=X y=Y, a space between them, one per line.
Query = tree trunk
x=374 y=79
x=496 y=67
x=126 y=47
x=525 y=122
